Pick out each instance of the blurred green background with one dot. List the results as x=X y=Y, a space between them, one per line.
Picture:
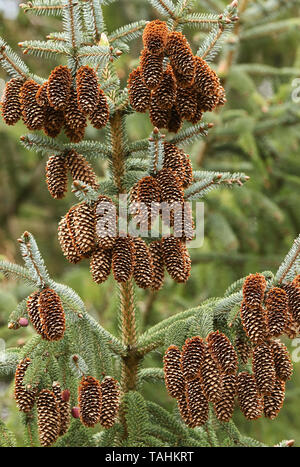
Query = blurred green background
x=247 y=229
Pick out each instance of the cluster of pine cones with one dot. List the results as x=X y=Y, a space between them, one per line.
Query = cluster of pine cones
x=46 y=314
x=204 y=371
x=176 y=88
x=57 y=104
x=98 y=402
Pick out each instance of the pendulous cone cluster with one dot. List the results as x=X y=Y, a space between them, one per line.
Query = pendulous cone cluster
x=59 y=103
x=172 y=83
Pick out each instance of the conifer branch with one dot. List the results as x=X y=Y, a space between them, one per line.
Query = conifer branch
x=12 y=63
x=289 y=262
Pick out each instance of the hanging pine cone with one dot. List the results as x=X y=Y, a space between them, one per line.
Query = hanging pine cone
x=282 y=360
x=181 y=57
x=123 y=259
x=274 y=401
x=184 y=410
x=48 y=418
x=296 y=281
x=89 y=401
x=165 y=94
x=99 y=117
x=211 y=378
x=225 y=406
x=74 y=135
x=184 y=227
x=293 y=294
x=66 y=242
x=156 y=254
x=254 y=322
x=42 y=95
x=57 y=176
x=151 y=69
x=292 y=328
x=11 y=105
x=53 y=121
x=223 y=352
x=155 y=36
x=106 y=222
x=64 y=409
x=170 y=187
x=264 y=368
x=100 y=265
x=244 y=348
x=148 y=199
x=198 y=114
x=175 y=122
x=34 y=314
x=173 y=158
x=32 y=114
x=110 y=402
x=197 y=403
x=253 y=289
x=206 y=80
x=52 y=314
x=59 y=87
x=139 y=94
x=25 y=398
x=174 y=379
x=188 y=170
x=74 y=118
x=192 y=357
x=207 y=103
x=87 y=89
x=175 y=258
x=277 y=310
x=186 y=102
x=142 y=271
x=80 y=169
x=85 y=227
x=159 y=117
x=249 y=399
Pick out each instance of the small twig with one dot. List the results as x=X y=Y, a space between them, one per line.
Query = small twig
x=5 y=57
x=213 y=43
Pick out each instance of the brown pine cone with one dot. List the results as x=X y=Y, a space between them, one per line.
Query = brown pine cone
x=110 y=402
x=33 y=115
x=186 y=102
x=165 y=94
x=225 y=406
x=139 y=94
x=74 y=117
x=173 y=158
x=211 y=378
x=11 y=104
x=282 y=360
x=159 y=117
x=155 y=36
x=99 y=117
x=106 y=222
x=87 y=89
x=249 y=399
x=42 y=95
x=254 y=322
x=176 y=258
x=274 y=401
x=296 y=281
x=64 y=409
x=174 y=379
x=253 y=289
x=90 y=401
x=170 y=187
x=181 y=57
x=74 y=135
x=53 y=121
x=184 y=410
x=52 y=314
x=80 y=169
x=123 y=259
x=197 y=403
x=157 y=265
x=34 y=314
x=25 y=398
x=277 y=311
x=264 y=368
x=85 y=227
x=151 y=69
x=244 y=348
x=206 y=80
x=48 y=418
x=59 y=87
x=175 y=122
x=293 y=294
x=192 y=357
x=100 y=265
x=142 y=271
x=66 y=242
x=223 y=352
x=57 y=176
